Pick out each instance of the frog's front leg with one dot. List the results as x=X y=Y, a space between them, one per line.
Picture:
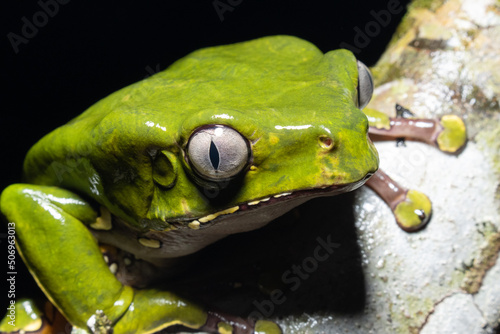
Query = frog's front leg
x=412 y=209
x=448 y=133
x=66 y=262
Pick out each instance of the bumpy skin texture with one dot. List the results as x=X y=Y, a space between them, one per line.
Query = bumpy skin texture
x=293 y=104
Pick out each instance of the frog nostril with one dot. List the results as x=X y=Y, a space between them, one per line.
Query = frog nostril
x=326 y=142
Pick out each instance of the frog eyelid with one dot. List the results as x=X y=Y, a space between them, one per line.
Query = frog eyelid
x=365 y=85
x=217 y=152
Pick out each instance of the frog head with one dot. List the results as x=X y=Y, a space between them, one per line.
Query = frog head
x=227 y=138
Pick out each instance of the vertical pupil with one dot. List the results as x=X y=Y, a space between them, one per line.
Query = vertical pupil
x=214 y=155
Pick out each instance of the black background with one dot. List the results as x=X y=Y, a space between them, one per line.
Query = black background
x=90 y=49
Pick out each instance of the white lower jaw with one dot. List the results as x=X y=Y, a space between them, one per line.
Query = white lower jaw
x=281 y=199
x=184 y=241
x=195 y=224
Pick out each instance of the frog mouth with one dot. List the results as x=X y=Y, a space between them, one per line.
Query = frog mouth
x=293 y=198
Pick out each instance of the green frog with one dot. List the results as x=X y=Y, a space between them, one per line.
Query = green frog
x=223 y=141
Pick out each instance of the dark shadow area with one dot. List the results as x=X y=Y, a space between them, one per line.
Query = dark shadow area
x=290 y=256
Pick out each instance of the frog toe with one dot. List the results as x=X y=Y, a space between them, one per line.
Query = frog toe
x=413 y=212
x=267 y=327
x=453 y=137
x=229 y=324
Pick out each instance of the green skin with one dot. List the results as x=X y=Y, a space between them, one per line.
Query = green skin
x=127 y=153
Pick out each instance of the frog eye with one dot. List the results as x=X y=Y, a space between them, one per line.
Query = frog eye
x=218 y=152
x=365 y=85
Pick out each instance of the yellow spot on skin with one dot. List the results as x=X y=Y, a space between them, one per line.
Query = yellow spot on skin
x=103 y=222
x=170 y=228
x=185 y=205
x=33 y=326
x=217 y=214
x=126 y=98
x=195 y=225
x=253 y=203
x=281 y=195
x=113 y=268
x=253 y=168
x=224 y=328
x=151 y=243
x=273 y=140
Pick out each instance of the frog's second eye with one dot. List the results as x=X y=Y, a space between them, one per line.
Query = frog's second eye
x=365 y=85
x=218 y=152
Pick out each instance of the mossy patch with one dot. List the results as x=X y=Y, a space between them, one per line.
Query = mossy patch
x=431 y=5
x=487 y=257
x=411 y=313
x=488 y=142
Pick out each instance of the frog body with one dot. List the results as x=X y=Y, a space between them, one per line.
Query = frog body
x=223 y=141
